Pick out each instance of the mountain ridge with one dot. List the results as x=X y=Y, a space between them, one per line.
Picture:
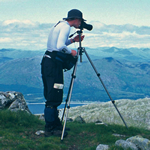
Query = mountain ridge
x=122 y=78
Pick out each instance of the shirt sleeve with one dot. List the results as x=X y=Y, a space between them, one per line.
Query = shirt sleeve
x=68 y=42
x=63 y=39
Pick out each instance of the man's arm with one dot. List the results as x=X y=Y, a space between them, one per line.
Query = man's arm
x=62 y=38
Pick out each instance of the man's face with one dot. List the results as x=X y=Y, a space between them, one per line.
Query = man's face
x=77 y=23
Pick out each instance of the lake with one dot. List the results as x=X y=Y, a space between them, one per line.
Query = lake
x=38 y=108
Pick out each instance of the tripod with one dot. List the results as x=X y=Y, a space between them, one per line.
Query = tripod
x=79 y=52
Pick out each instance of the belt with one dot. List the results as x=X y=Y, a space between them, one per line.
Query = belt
x=50 y=54
x=47 y=56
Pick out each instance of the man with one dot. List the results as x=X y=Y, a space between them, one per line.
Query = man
x=52 y=69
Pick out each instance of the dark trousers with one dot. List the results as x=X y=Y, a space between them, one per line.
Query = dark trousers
x=51 y=118
x=52 y=72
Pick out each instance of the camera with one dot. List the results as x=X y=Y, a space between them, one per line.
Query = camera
x=84 y=25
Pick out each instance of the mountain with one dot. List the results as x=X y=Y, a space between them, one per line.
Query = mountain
x=131 y=54
x=16 y=53
x=123 y=78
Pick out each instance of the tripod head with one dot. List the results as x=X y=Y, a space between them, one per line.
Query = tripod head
x=80 y=48
x=83 y=25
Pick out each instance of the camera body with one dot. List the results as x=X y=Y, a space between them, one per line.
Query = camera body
x=84 y=25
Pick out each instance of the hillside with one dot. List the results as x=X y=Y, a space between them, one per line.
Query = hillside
x=124 y=77
x=19 y=128
x=136 y=113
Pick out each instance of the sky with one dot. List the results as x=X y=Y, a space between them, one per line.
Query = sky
x=25 y=24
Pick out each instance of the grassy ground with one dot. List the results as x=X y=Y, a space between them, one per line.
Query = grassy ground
x=17 y=132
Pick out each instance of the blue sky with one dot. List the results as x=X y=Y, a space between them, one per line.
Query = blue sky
x=121 y=23
x=134 y=12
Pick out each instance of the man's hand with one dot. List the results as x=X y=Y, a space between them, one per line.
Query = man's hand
x=73 y=52
x=76 y=38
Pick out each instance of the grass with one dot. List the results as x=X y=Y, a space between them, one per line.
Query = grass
x=17 y=132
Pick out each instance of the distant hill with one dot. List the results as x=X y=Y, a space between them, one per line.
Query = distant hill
x=131 y=54
x=124 y=77
x=16 y=53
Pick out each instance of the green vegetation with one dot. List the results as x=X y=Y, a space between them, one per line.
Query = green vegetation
x=17 y=132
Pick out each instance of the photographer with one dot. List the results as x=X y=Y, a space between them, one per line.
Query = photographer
x=52 y=68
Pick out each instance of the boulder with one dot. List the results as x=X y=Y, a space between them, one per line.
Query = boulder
x=13 y=101
x=134 y=143
x=140 y=142
x=79 y=119
x=126 y=145
x=102 y=147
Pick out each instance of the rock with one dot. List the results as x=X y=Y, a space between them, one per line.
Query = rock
x=126 y=145
x=79 y=119
x=134 y=143
x=69 y=120
x=140 y=142
x=102 y=147
x=119 y=135
x=39 y=132
x=5 y=100
x=134 y=112
x=100 y=123
x=40 y=116
x=13 y=101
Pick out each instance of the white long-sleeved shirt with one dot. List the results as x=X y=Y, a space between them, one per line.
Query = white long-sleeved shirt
x=58 y=38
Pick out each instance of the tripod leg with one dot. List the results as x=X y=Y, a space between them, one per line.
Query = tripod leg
x=70 y=89
x=69 y=96
x=64 y=126
x=64 y=110
x=104 y=87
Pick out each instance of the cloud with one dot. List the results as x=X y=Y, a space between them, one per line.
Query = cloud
x=30 y=35
x=17 y=22
x=5 y=40
x=23 y=34
x=123 y=36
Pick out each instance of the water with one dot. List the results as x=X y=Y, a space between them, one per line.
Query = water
x=38 y=108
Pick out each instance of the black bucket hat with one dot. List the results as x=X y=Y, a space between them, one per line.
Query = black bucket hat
x=74 y=13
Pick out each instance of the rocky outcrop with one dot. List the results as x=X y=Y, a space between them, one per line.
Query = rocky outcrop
x=13 y=101
x=136 y=113
x=134 y=143
x=126 y=145
x=132 y=111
